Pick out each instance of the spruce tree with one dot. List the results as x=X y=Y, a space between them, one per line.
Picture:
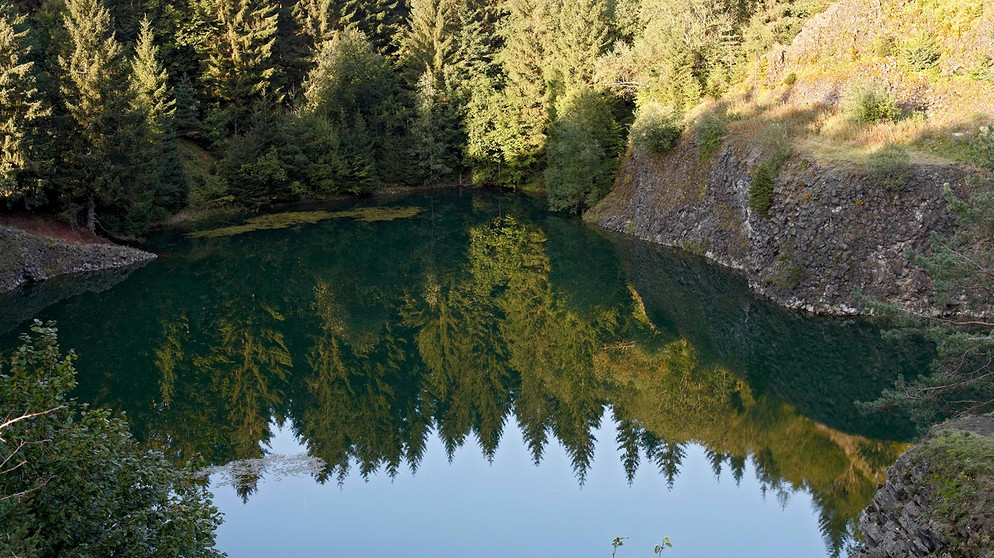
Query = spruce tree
x=525 y=58
x=100 y=167
x=379 y=20
x=428 y=42
x=582 y=31
x=154 y=104
x=238 y=53
x=20 y=109
x=317 y=19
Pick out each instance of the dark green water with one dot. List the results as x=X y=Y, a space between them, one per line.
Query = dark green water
x=372 y=342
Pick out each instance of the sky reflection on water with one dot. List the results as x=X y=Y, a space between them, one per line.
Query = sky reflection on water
x=511 y=507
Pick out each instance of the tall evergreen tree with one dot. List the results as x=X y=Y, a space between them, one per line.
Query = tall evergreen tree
x=238 y=68
x=582 y=31
x=525 y=58
x=317 y=19
x=20 y=109
x=428 y=42
x=101 y=166
x=154 y=104
x=380 y=20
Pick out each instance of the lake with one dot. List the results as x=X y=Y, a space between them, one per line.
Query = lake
x=460 y=373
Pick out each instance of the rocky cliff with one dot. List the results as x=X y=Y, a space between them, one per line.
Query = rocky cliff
x=831 y=230
x=28 y=258
x=939 y=497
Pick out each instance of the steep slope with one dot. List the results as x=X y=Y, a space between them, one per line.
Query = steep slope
x=819 y=173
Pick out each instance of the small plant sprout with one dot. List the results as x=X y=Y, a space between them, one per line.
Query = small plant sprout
x=618 y=541
x=659 y=548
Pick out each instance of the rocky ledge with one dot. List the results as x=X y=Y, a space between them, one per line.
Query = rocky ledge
x=938 y=500
x=26 y=258
x=831 y=231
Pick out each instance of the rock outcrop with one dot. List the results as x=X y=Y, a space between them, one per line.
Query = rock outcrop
x=831 y=230
x=938 y=497
x=26 y=258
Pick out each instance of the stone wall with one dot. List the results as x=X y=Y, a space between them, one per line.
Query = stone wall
x=831 y=230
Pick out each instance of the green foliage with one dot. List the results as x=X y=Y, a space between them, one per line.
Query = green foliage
x=237 y=48
x=961 y=470
x=21 y=108
x=353 y=88
x=428 y=43
x=761 y=189
x=870 y=104
x=655 y=129
x=106 y=170
x=921 y=52
x=961 y=267
x=74 y=478
x=889 y=167
x=433 y=132
x=710 y=130
x=287 y=157
x=582 y=160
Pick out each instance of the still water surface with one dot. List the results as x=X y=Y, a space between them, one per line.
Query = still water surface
x=462 y=374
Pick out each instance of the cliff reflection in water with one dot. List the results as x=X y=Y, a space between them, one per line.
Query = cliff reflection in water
x=367 y=338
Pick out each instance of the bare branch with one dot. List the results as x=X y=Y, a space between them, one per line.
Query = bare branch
x=29 y=416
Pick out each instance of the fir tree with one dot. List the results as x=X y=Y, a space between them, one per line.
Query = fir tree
x=317 y=19
x=380 y=20
x=150 y=83
x=582 y=31
x=20 y=109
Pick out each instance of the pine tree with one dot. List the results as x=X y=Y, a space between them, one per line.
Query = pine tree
x=238 y=51
x=20 y=108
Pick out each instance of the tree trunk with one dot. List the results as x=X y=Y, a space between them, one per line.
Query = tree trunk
x=91 y=217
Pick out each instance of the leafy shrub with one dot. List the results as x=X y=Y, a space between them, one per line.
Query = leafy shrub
x=871 y=104
x=791 y=79
x=921 y=53
x=710 y=130
x=656 y=128
x=889 y=167
x=761 y=191
x=75 y=481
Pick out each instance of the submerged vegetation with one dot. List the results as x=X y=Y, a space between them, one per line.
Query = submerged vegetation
x=273 y=221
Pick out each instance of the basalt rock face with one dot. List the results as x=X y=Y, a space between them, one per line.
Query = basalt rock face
x=831 y=230
x=26 y=258
x=937 y=501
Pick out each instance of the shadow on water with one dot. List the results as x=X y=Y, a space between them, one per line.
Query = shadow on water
x=478 y=312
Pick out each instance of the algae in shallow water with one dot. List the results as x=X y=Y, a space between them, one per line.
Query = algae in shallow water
x=283 y=220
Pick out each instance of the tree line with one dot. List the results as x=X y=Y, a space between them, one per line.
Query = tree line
x=115 y=114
